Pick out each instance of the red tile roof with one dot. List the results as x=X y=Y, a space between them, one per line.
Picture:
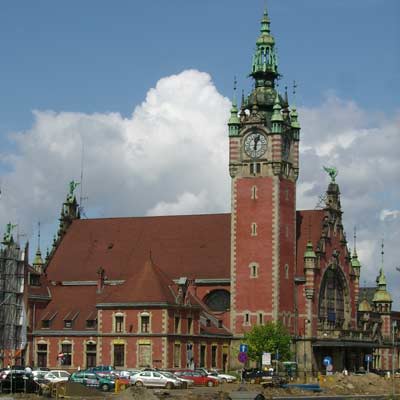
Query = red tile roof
x=149 y=284
x=77 y=301
x=196 y=246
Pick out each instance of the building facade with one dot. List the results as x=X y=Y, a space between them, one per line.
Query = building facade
x=181 y=291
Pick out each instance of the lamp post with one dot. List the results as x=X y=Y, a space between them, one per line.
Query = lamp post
x=306 y=321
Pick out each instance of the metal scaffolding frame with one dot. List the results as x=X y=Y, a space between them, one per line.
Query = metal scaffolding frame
x=12 y=318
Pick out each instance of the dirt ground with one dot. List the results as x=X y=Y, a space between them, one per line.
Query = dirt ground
x=332 y=385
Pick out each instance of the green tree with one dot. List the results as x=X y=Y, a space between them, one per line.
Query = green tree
x=270 y=338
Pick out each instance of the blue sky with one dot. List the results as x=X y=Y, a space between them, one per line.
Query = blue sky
x=107 y=72
x=97 y=56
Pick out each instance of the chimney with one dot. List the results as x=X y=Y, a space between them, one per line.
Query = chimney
x=100 y=279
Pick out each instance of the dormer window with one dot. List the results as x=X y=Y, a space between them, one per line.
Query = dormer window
x=45 y=323
x=91 y=324
x=67 y=324
x=34 y=279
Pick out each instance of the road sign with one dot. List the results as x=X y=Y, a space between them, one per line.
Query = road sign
x=243 y=348
x=242 y=357
x=368 y=358
x=266 y=358
x=327 y=360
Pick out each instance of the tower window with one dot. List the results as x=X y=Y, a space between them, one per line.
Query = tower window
x=253 y=229
x=247 y=319
x=254 y=192
x=260 y=319
x=253 y=270
x=286 y=271
x=255 y=168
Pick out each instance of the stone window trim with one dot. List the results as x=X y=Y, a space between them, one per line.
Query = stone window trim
x=177 y=326
x=253 y=229
x=254 y=268
x=141 y=322
x=177 y=360
x=254 y=192
x=60 y=350
x=246 y=318
x=114 y=322
x=113 y=344
x=38 y=350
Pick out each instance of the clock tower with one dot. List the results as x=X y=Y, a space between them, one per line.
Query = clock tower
x=263 y=165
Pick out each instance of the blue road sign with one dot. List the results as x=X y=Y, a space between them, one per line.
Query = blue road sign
x=244 y=348
x=327 y=361
x=368 y=358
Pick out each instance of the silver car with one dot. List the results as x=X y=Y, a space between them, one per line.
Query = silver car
x=185 y=382
x=155 y=379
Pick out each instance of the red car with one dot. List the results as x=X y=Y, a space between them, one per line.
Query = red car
x=199 y=378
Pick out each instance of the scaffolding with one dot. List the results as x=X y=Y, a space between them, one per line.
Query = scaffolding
x=12 y=310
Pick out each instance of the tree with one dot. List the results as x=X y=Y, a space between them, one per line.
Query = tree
x=270 y=338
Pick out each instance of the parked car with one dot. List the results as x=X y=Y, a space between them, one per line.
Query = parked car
x=198 y=377
x=102 y=370
x=255 y=375
x=88 y=378
x=55 y=376
x=185 y=382
x=39 y=376
x=223 y=378
x=155 y=379
x=17 y=381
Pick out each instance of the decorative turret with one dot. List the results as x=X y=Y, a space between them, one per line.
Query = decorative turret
x=294 y=122
x=265 y=60
x=310 y=257
x=355 y=263
x=234 y=121
x=277 y=117
x=38 y=261
x=382 y=299
x=69 y=211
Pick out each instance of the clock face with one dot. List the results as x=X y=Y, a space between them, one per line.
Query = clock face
x=255 y=145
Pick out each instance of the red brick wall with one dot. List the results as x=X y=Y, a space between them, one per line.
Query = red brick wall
x=253 y=294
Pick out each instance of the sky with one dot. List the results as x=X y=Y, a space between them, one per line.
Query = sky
x=143 y=91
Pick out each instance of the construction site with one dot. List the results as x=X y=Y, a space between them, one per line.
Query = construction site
x=12 y=302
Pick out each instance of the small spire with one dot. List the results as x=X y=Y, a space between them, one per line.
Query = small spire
x=355 y=263
x=355 y=241
x=277 y=116
x=234 y=120
x=382 y=252
x=286 y=95
x=38 y=235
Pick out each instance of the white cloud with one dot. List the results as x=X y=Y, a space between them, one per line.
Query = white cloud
x=171 y=157
x=389 y=214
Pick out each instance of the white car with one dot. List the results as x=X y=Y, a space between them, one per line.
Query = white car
x=186 y=383
x=222 y=378
x=57 y=376
x=155 y=379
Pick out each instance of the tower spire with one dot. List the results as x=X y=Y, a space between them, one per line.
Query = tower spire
x=38 y=261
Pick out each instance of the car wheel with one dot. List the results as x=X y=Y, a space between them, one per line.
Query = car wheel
x=169 y=385
x=104 y=387
x=223 y=380
x=210 y=383
x=138 y=383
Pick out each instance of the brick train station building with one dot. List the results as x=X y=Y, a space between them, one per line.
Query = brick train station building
x=179 y=291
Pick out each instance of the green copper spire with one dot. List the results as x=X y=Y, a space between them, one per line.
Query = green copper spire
x=265 y=61
x=309 y=253
x=381 y=294
x=234 y=120
x=277 y=116
x=355 y=263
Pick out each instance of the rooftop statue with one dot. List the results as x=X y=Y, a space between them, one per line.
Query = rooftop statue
x=72 y=186
x=333 y=172
x=8 y=234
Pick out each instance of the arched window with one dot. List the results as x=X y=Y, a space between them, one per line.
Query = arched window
x=218 y=300
x=332 y=298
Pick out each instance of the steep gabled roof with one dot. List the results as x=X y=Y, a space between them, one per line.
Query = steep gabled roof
x=196 y=246
x=149 y=284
